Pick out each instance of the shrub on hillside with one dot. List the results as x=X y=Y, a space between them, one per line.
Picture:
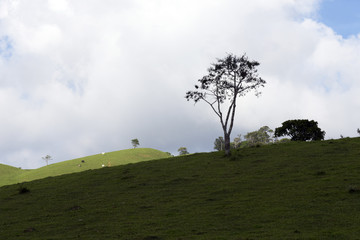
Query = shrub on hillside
x=23 y=190
x=354 y=189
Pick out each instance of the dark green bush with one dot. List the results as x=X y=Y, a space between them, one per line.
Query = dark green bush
x=320 y=173
x=354 y=189
x=23 y=190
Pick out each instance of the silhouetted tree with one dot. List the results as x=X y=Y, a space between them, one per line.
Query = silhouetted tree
x=229 y=78
x=135 y=142
x=182 y=151
x=300 y=130
x=358 y=131
x=47 y=158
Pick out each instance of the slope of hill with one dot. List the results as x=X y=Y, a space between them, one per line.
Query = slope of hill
x=14 y=175
x=287 y=191
x=8 y=174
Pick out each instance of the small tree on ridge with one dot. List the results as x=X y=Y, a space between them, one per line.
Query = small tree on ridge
x=183 y=151
x=135 y=142
x=47 y=158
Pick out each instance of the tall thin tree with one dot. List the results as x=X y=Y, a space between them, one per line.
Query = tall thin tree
x=227 y=79
x=47 y=158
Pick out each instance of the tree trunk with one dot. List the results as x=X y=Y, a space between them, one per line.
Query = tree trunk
x=227 y=144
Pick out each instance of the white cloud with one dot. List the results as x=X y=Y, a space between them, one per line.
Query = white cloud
x=89 y=76
x=58 y=5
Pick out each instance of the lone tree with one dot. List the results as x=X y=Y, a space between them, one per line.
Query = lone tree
x=47 y=158
x=135 y=142
x=300 y=130
x=183 y=151
x=227 y=79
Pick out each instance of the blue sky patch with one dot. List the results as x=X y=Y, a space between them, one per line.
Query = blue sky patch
x=343 y=16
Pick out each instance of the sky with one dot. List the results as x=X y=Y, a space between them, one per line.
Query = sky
x=83 y=77
x=342 y=16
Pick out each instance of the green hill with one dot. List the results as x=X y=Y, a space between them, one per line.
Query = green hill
x=10 y=175
x=308 y=190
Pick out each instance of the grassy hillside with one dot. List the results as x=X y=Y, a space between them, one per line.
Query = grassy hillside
x=287 y=191
x=10 y=175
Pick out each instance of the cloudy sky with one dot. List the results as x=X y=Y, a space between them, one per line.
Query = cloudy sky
x=86 y=76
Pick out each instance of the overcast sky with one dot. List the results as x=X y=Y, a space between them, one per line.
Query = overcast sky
x=85 y=76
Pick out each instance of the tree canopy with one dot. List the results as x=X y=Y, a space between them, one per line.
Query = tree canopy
x=261 y=136
x=135 y=142
x=183 y=151
x=300 y=130
x=227 y=79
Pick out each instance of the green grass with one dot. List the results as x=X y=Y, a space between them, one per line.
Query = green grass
x=285 y=191
x=10 y=175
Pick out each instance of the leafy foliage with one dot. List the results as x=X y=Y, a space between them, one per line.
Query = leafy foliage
x=237 y=141
x=229 y=78
x=262 y=136
x=135 y=142
x=219 y=144
x=183 y=151
x=300 y=130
